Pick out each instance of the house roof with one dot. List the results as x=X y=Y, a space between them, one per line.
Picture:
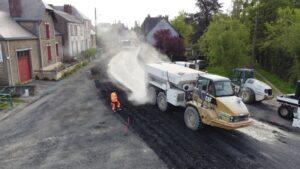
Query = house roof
x=150 y=22
x=67 y=17
x=31 y=9
x=11 y=30
x=75 y=12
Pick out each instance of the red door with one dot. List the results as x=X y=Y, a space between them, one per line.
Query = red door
x=24 y=66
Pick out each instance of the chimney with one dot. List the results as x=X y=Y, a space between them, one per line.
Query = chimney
x=68 y=9
x=15 y=8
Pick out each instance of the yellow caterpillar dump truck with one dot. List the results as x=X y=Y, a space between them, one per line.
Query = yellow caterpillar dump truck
x=208 y=99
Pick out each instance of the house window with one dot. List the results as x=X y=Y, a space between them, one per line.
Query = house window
x=47 y=30
x=49 y=52
x=57 y=49
x=77 y=48
x=82 y=44
x=73 y=49
x=70 y=30
x=75 y=30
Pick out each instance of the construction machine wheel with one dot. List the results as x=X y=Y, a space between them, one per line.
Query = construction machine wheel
x=152 y=95
x=161 y=101
x=192 y=119
x=247 y=96
x=285 y=112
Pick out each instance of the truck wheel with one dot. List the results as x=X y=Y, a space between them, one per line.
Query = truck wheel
x=152 y=95
x=247 y=96
x=192 y=119
x=285 y=112
x=162 y=102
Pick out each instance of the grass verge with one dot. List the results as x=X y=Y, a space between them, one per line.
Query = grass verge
x=219 y=71
x=282 y=85
x=5 y=105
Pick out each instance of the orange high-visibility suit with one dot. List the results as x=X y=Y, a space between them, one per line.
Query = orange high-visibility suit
x=114 y=101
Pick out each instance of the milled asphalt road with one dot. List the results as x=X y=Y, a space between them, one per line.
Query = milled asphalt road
x=261 y=145
x=71 y=128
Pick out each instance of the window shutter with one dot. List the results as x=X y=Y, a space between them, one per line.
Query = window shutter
x=57 y=52
x=47 y=27
x=49 y=53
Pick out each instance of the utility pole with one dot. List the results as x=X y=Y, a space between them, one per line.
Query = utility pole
x=96 y=26
x=255 y=36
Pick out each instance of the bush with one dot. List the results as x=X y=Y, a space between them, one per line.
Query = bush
x=89 y=53
x=172 y=46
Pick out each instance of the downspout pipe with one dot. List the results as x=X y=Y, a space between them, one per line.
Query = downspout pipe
x=10 y=77
x=40 y=44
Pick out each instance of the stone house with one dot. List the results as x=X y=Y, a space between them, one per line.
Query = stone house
x=71 y=29
x=18 y=52
x=75 y=28
x=38 y=46
x=153 y=24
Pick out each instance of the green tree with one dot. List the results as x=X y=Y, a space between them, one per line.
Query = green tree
x=256 y=15
x=226 y=43
x=283 y=42
x=202 y=19
x=237 y=8
x=184 y=28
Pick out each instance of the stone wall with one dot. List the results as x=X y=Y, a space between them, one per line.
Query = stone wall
x=47 y=19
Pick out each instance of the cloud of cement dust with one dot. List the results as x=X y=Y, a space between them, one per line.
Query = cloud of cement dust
x=127 y=66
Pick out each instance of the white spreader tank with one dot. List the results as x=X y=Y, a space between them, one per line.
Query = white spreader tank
x=170 y=83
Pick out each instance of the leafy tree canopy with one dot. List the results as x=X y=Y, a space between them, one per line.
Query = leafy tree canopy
x=226 y=43
x=172 y=46
x=184 y=28
x=201 y=19
x=284 y=42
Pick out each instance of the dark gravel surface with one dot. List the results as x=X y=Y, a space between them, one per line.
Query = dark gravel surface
x=71 y=128
x=258 y=146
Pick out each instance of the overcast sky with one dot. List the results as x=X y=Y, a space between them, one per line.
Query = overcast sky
x=128 y=11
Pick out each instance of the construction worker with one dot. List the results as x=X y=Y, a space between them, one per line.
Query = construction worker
x=115 y=104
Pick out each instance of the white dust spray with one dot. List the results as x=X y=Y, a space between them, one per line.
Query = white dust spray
x=127 y=67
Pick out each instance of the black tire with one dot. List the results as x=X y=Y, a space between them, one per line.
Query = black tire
x=161 y=101
x=152 y=95
x=247 y=96
x=192 y=119
x=285 y=112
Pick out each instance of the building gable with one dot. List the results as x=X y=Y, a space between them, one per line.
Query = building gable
x=163 y=24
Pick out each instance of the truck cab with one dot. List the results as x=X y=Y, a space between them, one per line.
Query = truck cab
x=214 y=103
x=240 y=76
